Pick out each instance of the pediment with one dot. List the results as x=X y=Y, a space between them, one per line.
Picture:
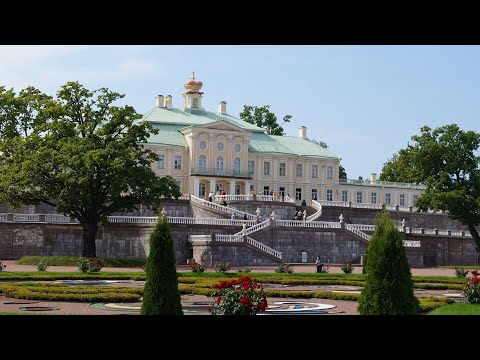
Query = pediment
x=219 y=125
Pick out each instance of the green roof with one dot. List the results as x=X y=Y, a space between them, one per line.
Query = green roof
x=263 y=143
x=168 y=135
x=303 y=147
x=194 y=117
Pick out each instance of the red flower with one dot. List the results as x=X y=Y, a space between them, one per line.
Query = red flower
x=245 y=300
x=474 y=272
x=475 y=280
x=245 y=287
x=264 y=296
x=209 y=309
x=245 y=279
x=261 y=306
x=218 y=299
x=233 y=282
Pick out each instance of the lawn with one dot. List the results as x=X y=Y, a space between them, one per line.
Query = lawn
x=460 y=308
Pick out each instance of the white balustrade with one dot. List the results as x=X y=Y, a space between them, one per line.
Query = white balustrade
x=361 y=227
x=411 y=243
x=229 y=238
x=264 y=247
x=309 y=224
x=3 y=217
x=316 y=205
x=132 y=219
x=358 y=232
x=56 y=218
x=26 y=217
x=194 y=238
x=334 y=203
x=222 y=208
x=254 y=228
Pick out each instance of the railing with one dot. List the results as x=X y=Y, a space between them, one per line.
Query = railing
x=264 y=247
x=309 y=224
x=26 y=217
x=132 y=219
x=382 y=184
x=218 y=207
x=411 y=243
x=193 y=238
x=184 y=197
x=316 y=205
x=334 y=203
x=221 y=172
x=357 y=232
x=209 y=221
x=3 y=217
x=54 y=218
x=254 y=228
x=229 y=238
x=219 y=198
x=360 y=227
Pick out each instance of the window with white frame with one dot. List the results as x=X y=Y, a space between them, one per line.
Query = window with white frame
x=282 y=170
x=388 y=199
x=298 y=194
x=219 y=165
x=251 y=166
x=359 y=197
x=161 y=162
x=314 y=194
x=236 y=165
x=266 y=168
x=203 y=145
x=314 y=171
x=329 y=195
x=299 y=170
x=402 y=199
x=202 y=163
x=373 y=197
x=344 y=195
x=329 y=172
x=220 y=146
x=238 y=147
x=415 y=198
x=177 y=165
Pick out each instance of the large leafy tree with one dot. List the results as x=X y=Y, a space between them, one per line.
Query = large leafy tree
x=445 y=160
x=264 y=118
x=79 y=153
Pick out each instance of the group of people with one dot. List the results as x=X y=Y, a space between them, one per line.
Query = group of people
x=218 y=193
x=299 y=215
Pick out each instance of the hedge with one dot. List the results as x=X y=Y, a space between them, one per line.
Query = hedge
x=72 y=261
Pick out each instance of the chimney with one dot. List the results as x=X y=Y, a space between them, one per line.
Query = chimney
x=222 y=107
x=302 y=132
x=159 y=101
x=373 y=178
x=168 y=102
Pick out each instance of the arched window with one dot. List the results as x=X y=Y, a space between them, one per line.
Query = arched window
x=236 y=165
x=195 y=103
x=219 y=165
x=202 y=163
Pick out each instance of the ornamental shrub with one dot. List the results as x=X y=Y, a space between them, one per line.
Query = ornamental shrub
x=284 y=268
x=347 y=267
x=471 y=291
x=42 y=265
x=460 y=272
x=222 y=267
x=161 y=295
x=389 y=286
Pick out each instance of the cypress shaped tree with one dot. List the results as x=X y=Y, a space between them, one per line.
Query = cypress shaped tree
x=389 y=286
x=161 y=295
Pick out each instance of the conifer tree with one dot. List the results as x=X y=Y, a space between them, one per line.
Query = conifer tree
x=161 y=295
x=389 y=286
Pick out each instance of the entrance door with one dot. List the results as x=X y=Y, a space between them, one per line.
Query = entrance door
x=202 y=190
x=237 y=190
x=219 y=187
x=281 y=192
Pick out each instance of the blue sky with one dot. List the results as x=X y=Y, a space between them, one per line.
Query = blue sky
x=365 y=102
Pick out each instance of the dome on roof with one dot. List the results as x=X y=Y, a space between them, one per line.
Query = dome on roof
x=192 y=85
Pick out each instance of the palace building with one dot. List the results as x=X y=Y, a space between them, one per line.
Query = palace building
x=214 y=151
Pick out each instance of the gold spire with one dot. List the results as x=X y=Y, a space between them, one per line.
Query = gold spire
x=193 y=75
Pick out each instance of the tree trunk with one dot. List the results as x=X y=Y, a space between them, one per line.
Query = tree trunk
x=475 y=238
x=90 y=229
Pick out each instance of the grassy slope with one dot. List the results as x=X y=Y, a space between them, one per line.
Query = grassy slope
x=460 y=308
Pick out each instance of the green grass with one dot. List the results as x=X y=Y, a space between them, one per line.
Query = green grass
x=50 y=276
x=72 y=261
x=460 y=308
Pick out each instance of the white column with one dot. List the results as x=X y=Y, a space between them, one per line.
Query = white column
x=232 y=187
x=247 y=187
x=212 y=185
x=196 y=186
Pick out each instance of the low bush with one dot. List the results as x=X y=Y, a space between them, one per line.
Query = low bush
x=244 y=270
x=347 y=267
x=222 y=267
x=284 y=268
x=89 y=264
x=42 y=265
x=98 y=297
x=2 y=266
x=461 y=272
x=72 y=261
x=196 y=267
x=429 y=303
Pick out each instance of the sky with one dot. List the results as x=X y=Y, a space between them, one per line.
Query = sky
x=365 y=102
